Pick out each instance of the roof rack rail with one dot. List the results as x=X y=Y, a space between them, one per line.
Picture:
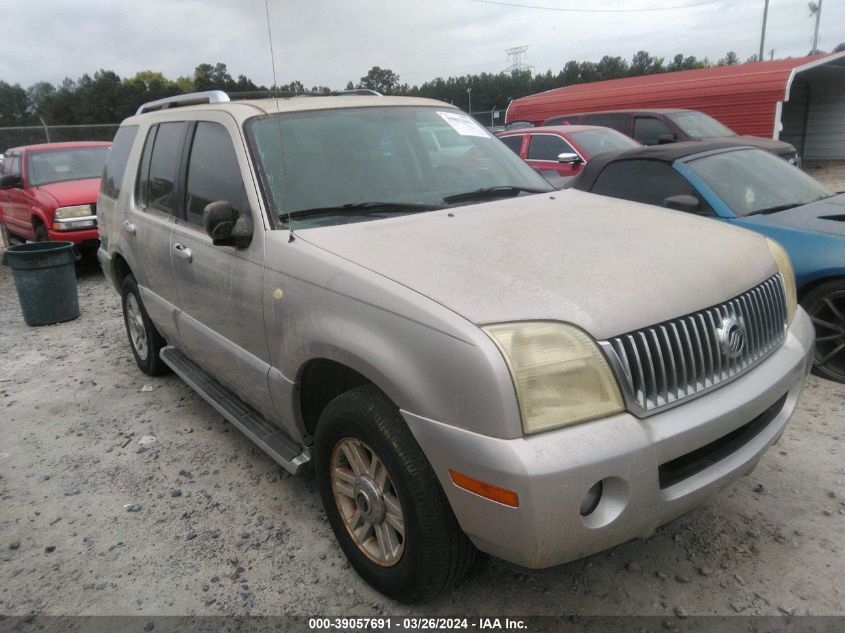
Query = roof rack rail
x=361 y=92
x=192 y=98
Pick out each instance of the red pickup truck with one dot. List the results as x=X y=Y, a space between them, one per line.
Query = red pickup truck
x=49 y=192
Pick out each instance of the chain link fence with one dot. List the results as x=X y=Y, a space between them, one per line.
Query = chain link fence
x=30 y=135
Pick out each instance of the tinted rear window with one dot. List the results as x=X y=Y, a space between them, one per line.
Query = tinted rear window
x=618 y=122
x=157 y=180
x=116 y=162
x=647 y=181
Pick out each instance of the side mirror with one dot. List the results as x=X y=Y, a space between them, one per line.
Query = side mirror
x=225 y=226
x=689 y=204
x=10 y=181
x=663 y=139
x=568 y=158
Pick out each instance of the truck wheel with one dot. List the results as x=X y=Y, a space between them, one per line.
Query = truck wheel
x=383 y=500
x=826 y=306
x=144 y=338
x=41 y=233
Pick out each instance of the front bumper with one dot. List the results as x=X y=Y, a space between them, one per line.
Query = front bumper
x=86 y=238
x=551 y=472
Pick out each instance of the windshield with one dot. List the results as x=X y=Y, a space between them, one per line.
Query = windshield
x=340 y=165
x=58 y=165
x=594 y=142
x=752 y=181
x=701 y=126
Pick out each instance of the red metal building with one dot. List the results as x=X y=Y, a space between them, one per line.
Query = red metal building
x=801 y=100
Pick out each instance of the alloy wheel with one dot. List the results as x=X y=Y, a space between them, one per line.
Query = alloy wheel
x=367 y=501
x=135 y=325
x=828 y=315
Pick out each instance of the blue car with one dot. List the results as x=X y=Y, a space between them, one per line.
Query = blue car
x=753 y=189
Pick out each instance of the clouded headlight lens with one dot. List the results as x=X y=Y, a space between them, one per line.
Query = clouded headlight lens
x=788 y=274
x=561 y=376
x=76 y=211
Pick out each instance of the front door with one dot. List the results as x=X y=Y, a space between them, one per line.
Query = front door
x=221 y=319
x=543 y=152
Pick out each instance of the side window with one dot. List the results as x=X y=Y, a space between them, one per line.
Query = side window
x=14 y=162
x=159 y=166
x=547 y=147
x=647 y=181
x=513 y=143
x=213 y=172
x=116 y=162
x=616 y=121
x=648 y=130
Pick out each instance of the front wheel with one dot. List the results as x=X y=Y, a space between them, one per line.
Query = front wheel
x=144 y=338
x=384 y=502
x=826 y=306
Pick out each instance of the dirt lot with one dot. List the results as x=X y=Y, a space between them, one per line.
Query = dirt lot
x=123 y=494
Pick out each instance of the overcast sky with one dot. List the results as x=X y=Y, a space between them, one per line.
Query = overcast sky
x=330 y=42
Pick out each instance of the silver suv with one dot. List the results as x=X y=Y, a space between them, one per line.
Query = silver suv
x=469 y=359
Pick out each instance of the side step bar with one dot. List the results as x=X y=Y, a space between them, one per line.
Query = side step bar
x=273 y=441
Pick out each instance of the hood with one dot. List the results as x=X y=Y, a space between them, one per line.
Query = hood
x=780 y=148
x=607 y=265
x=824 y=216
x=71 y=192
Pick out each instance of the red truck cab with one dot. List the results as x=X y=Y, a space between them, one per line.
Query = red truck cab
x=49 y=192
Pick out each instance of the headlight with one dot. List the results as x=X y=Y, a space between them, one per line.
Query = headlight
x=76 y=211
x=788 y=274
x=560 y=375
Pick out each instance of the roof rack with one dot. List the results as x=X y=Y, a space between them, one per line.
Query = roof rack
x=218 y=96
x=192 y=98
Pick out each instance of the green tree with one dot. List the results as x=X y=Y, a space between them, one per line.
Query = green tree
x=381 y=80
x=14 y=105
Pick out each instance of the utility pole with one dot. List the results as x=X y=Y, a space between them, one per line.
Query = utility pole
x=469 y=99
x=817 y=9
x=763 y=32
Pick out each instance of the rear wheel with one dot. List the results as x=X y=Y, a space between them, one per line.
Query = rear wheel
x=826 y=306
x=384 y=502
x=144 y=338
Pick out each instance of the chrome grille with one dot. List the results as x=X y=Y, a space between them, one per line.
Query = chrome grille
x=661 y=365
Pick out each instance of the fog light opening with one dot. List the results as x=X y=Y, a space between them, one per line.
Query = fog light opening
x=591 y=500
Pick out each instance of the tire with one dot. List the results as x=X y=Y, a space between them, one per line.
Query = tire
x=144 y=339
x=431 y=553
x=41 y=233
x=826 y=306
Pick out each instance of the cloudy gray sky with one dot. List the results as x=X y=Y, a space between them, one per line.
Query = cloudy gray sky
x=330 y=42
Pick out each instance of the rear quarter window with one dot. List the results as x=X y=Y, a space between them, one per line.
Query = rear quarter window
x=618 y=122
x=116 y=162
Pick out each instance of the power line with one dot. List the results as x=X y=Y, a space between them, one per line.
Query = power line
x=567 y=10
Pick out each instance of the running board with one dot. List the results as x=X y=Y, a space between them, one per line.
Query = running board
x=266 y=435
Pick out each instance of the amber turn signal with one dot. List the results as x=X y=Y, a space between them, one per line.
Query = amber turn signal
x=482 y=489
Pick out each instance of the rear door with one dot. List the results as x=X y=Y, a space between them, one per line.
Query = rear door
x=145 y=231
x=543 y=152
x=220 y=288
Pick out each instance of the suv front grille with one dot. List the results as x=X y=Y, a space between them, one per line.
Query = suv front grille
x=664 y=364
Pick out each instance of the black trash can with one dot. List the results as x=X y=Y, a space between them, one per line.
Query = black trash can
x=45 y=277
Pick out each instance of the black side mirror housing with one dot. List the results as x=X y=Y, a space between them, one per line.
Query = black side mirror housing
x=10 y=181
x=689 y=204
x=225 y=226
x=663 y=139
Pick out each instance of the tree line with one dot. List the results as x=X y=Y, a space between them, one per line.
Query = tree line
x=105 y=97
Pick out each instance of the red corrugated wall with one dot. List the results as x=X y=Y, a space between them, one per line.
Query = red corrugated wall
x=744 y=96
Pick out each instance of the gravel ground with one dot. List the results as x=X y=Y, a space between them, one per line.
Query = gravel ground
x=127 y=495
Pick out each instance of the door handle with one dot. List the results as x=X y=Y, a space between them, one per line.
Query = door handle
x=182 y=251
x=129 y=227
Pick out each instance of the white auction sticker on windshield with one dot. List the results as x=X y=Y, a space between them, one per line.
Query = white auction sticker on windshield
x=464 y=124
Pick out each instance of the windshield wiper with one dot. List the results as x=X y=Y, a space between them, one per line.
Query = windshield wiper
x=775 y=209
x=365 y=207
x=488 y=193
